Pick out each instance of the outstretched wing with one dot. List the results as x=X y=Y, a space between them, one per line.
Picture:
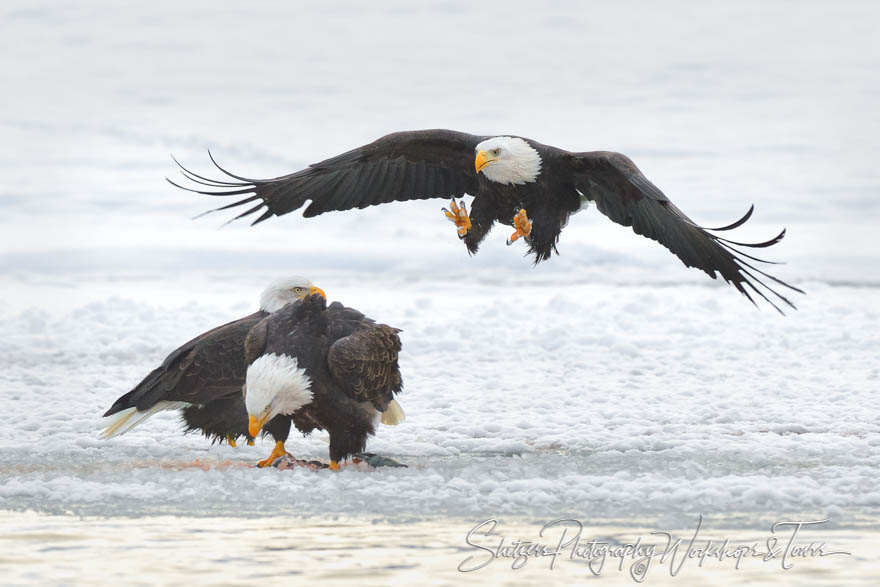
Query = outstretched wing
x=365 y=363
x=206 y=368
x=624 y=195
x=413 y=165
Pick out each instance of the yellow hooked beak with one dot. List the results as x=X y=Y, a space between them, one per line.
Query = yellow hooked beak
x=255 y=425
x=317 y=290
x=482 y=160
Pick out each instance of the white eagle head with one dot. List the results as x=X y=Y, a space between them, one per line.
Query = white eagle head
x=508 y=160
x=275 y=384
x=283 y=291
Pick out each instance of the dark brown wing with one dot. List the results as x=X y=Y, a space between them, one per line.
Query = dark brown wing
x=365 y=363
x=622 y=193
x=412 y=165
x=206 y=368
x=255 y=341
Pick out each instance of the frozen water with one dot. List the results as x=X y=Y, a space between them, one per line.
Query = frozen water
x=532 y=398
x=610 y=381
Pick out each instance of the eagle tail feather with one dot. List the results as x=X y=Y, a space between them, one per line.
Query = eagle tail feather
x=124 y=420
x=393 y=415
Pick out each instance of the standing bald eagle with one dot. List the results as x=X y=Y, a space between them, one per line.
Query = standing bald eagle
x=204 y=378
x=326 y=368
x=507 y=176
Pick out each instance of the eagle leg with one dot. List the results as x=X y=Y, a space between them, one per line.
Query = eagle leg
x=230 y=441
x=522 y=224
x=459 y=217
x=334 y=466
x=277 y=452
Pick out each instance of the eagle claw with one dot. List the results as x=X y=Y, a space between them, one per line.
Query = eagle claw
x=276 y=453
x=459 y=217
x=522 y=224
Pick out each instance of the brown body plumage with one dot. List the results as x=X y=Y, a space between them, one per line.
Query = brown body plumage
x=327 y=368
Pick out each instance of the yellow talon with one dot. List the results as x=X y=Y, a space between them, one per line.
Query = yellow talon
x=230 y=441
x=522 y=224
x=334 y=466
x=250 y=442
x=459 y=217
x=277 y=452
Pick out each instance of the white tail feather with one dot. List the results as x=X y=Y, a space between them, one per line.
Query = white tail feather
x=124 y=420
x=393 y=415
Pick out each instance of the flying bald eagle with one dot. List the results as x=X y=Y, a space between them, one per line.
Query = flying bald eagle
x=204 y=378
x=515 y=181
x=326 y=368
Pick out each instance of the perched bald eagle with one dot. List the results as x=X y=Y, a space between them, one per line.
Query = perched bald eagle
x=515 y=181
x=204 y=378
x=326 y=368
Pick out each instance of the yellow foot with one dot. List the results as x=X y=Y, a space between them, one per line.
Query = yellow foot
x=230 y=441
x=278 y=451
x=459 y=217
x=250 y=441
x=334 y=466
x=522 y=224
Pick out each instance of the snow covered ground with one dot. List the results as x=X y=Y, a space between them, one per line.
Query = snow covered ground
x=524 y=396
x=610 y=382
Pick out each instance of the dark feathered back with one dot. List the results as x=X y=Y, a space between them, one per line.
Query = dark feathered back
x=360 y=355
x=207 y=367
x=295 y=326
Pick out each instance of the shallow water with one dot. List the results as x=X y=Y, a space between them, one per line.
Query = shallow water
x=360 y=551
